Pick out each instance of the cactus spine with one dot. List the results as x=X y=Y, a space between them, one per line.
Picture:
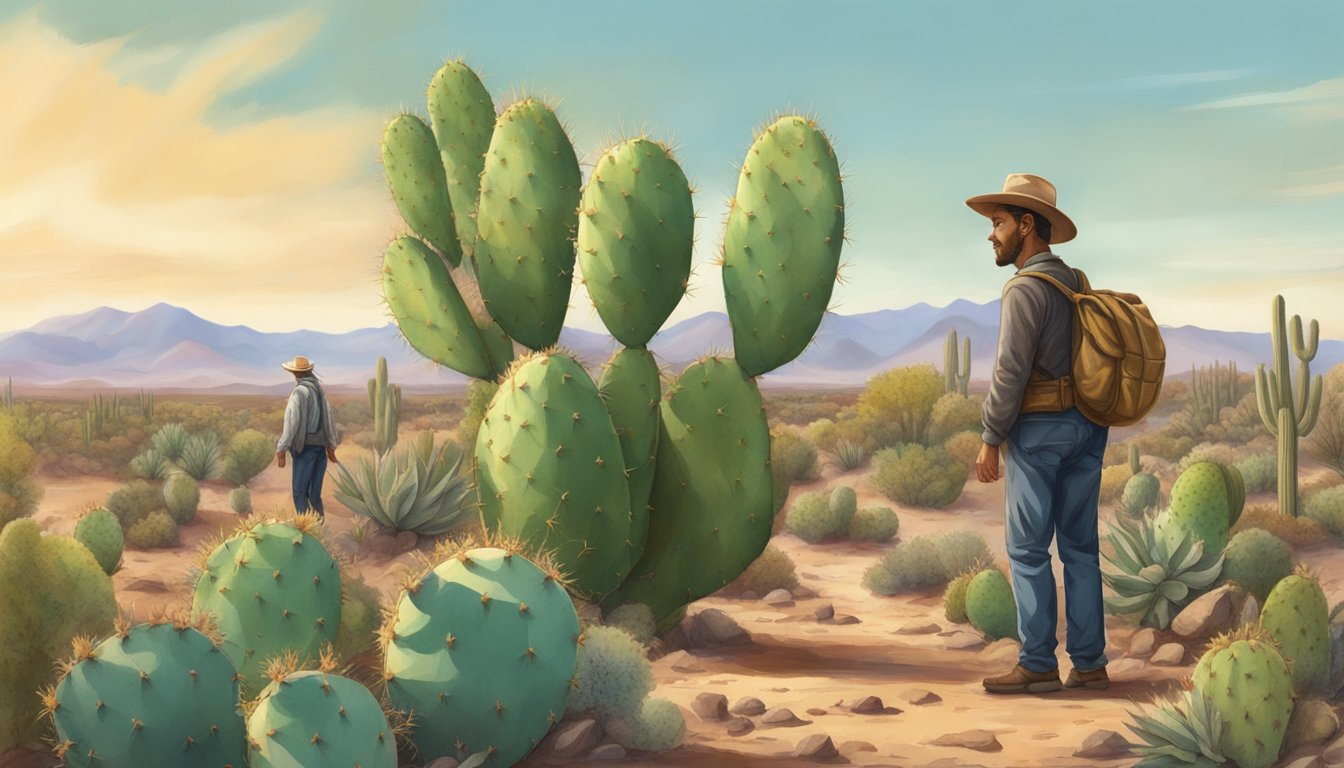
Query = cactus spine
x=957 y=378
x=1289 y=412
x=385 y=405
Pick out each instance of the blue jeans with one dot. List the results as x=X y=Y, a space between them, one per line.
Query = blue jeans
x=310 y=467
x=1052 y=479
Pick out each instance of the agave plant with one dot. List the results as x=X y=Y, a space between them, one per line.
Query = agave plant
x=151 y=465
x=411 y=488
x=1153 y=574
x=850 y=454
x=171 y=440
x=1179 y=734
x=201 y=457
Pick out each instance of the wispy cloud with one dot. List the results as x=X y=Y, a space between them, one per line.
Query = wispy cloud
x=1323 y=100
x=1320 y=182
x=1177 y=80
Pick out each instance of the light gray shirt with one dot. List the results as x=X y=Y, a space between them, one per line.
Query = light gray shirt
x=307 y=420
x=1035 y=328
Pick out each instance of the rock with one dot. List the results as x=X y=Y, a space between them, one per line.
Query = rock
x=710 y=706
x=782 y=717
x=1208 y=614
x=1336 y=659
x=844 y=618
x=382 y=542
x=748 y=705
x=681 y=661
x=1125 y=669
x=608 y=752
x=816 y=711
x=980 y=741
x=1250 y=611
x=147 y=584
x=712 y=627
x=1169 y=655
x=919 y=697
x=407 y=540
x=914 y=628
x=1143 y=643
x=854 y=747
x=750 y=594
x=825 y=612
x=818 y=746
x=740 y=726
x=868 y=705
x=778 y=597
x=1103 y=744
x=964 y=641
x=1333 y=756
x=574 y=739
x=1312 y=722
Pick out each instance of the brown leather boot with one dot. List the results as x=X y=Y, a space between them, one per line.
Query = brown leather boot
x=1023 y=680
x=1095 y=679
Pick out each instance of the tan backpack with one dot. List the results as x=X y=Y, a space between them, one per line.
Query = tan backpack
x=1118 y=354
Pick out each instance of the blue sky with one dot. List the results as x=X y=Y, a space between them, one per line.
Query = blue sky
x=1199 y=146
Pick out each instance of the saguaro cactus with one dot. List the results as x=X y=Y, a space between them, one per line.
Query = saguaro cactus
x=1289 y=412
x=385 y=405
x=958 y=378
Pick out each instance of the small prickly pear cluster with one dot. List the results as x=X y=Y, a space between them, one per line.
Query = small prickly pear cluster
x=1297 y=617
x=1206 y=501
x=100 y=531
x=1246 y=679
x=1256 y=560
x=990 y=606
x=1142 y=490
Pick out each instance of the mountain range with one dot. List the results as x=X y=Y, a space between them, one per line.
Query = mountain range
x=169 y=348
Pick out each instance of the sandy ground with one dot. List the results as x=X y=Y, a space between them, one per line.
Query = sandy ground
x=793 y=661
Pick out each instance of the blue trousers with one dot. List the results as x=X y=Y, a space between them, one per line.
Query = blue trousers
x=310 y=467
x=1052 y=480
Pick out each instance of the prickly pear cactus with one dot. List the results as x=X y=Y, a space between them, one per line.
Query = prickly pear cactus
x=100 y=531
x=273 y=587
x=550 y=471
x=1247 y=680
x=51 y=589
x=1142 y=490
x=154 y=694
x=990 y=606
x=318 y=719
x=1203 y=499
x=954 y=598
x=1257 y=559
x=631 y=387
x=462 y=116
x=481 y=651
x=1297 y=617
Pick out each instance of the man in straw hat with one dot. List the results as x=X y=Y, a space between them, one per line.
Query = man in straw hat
x=309 y=436
x=1052 y=453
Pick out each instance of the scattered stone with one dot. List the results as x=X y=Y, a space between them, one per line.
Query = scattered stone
x=714 y=627
x=1208 y=614
x=853 y=747
x=1144 y=643
x=825 y=612
x=868 y=705
x=608 y=752
x=1103 y=744
x=1250 y=611
x=778 y=597
x=818 y=746
x=443 y=762
x=1169 y=655
x=574 y=739
x=750 y=594
x=844 y=618
x=710 y=706
x=147 y=584
x=681 y=661
x=913 y=628
x=801 y=591
x=740 y=726
x=407 y=540
x=919 y=697
x=782 y=717
x=816 y=711
x=964 y=641
x=980 y=741
x=1125 y=669
x=748 y=705
x=1312 y=722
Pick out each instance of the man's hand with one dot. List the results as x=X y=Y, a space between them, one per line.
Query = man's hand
x=331 y=455
x=280 y=459
x=987 y=463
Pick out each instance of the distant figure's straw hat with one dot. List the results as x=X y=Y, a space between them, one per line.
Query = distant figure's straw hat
x=1033 y=193
x=299 y=364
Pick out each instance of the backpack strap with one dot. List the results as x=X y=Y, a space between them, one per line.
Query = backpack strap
x=1066 y=290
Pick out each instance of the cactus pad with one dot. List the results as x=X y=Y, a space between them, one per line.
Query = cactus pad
x=414 y=172
x=315 y=719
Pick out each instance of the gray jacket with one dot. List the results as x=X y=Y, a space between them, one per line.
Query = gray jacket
x=1035 y=328
x=308 y=418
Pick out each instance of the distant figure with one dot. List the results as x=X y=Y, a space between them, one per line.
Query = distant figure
x=309 y=436
x=1052 y=453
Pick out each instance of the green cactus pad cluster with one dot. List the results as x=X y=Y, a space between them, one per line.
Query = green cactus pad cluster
x=462 y=116
x=782 y=245
x=525 y=222
x=1247 y=680
x=414 y=171
x=954 y=597
x=100 y=531
x=990 y=606
x=550 y=471
x=1297 y=617
x=481 y=651
x=316 y=719
x=153 y=694
x=271 y=588
x=631 y=387
x=636 y=229
x=1205 y=499
x=1257 y=559
x=711 y=508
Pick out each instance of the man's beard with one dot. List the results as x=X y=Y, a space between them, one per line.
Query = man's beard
x=1009 y=254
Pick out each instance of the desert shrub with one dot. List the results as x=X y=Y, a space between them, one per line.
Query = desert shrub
x=918 y=475
x=1326 y=442
x=240 y=500
x=1164 y=446
x=1259 y=472
x=154 y=531
x=478 y=399
x=1327 y=509
x=182 y=497
x=822 y=433
x=132 y=502
x=953 y=413
x=1214 y=452
x=896 y=406
x=1113 y=481
x=908 y=566
x=171 y=440
x=19 y=492
x=812 y=519
x=1238 y=425
x=954 y=598
x=964 y=447
x=656 y=727
x=792 y=458
x=961 y=551
x=150 y=465
x=1256 y=560
x=851 y=455
x=250 y=451
x=877 y=524
x=1296 y=532
x=200 y=458
x=613 y=674
x=635 y=619
x=772 y=570
x=857 y=431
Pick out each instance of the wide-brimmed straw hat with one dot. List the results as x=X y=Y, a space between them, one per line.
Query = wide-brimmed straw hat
x=1034 y=193
x=299 y=364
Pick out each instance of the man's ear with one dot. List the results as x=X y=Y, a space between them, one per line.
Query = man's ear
x=1027 y=223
